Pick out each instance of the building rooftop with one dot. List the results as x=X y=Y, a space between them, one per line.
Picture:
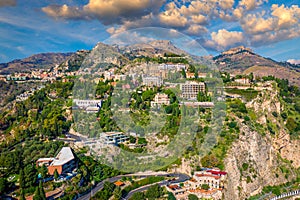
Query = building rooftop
x=64 y=156
x=207 y=175
x=119 y=183
x=45 y=159
x=217 y=172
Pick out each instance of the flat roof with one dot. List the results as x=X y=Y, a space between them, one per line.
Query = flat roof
x=64 y=156
x=45 y=159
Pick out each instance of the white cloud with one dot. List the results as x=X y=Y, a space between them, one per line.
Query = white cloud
x=65 y=12
x=108 y=11
x=172 y=16
x=281 y=24
x=256 y=23
x=145 y=21
x=287 y=17
x=224 y=39
x=196 y=29
x=294 y=61
x=193 y=17
x=199 y=19
x=226 y=4
x=251 y=4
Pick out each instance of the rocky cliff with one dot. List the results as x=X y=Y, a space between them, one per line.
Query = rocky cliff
x=259 y=158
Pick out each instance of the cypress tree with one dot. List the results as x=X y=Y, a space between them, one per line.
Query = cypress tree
x=42 y=191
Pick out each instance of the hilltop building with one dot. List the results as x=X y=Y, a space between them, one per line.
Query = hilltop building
x=114 y=138
x=244 y=81
x=190 y=89
x=64 y=162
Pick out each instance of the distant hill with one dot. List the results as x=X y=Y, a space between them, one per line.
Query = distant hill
x=40 y=61
x=241 y=60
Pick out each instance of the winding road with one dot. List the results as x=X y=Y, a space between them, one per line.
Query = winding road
x=179 y=178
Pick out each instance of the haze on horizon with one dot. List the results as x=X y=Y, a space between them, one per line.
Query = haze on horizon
x=271 y=28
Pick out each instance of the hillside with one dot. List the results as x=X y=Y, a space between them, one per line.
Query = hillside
x=257 y=145
x=40 y=61
x=241 y=60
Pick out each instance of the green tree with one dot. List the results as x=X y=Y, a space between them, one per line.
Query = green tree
x=183 y=73
x=291 y=124
x=154 y=192
x=209 y=161
x=171 y=196
x=37 y=195
x=43 y=171
x=2 y=185
x=42 y=191
x=192 y=197
x=30 y=175
x=138 y=196
x=21 y=179
x=205 y=186
x=22 y=194
x=56 y=175
x=117 y=193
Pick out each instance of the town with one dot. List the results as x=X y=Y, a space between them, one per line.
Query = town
x=88 y=132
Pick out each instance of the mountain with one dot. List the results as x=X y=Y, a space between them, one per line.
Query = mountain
x=73 y=62
x=41 y=61
x=151 y=49
x=241 y=60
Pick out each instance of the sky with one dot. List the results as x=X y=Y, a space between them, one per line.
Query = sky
x=270 y=27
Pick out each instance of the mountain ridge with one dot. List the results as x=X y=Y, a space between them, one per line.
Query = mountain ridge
x=242 y=60
x=237 y=60
x=36 y=61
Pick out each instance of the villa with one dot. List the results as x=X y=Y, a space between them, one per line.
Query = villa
x=64 y=162
x=160 y=99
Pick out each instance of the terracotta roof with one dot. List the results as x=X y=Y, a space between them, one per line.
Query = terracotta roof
x=208 y=175
x=207 y=192
x=173 y=187
x=193 y=180
x=119 y=183
x=217 y=172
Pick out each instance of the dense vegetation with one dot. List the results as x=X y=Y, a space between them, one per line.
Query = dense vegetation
x=40 y=115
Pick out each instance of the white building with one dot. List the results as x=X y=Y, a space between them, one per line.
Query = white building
x=190 y=89
x=64 y=162
x=171 y=66
x=88 y=105
x=212 y=177
x=245 y=81
x=113 y=138
x=152 y=81
x=160 y=99
x=198 y=104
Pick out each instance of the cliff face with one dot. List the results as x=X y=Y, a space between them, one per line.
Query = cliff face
x=258 y=159
x=253 y=163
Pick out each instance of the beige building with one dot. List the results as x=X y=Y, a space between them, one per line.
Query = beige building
x=245 y=81
x=190 y=89
x=160 y=99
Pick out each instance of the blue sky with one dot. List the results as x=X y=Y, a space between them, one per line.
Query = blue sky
x=271 y=28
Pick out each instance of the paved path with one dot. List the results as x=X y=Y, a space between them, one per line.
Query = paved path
x=99 y=186
x=181 y=178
